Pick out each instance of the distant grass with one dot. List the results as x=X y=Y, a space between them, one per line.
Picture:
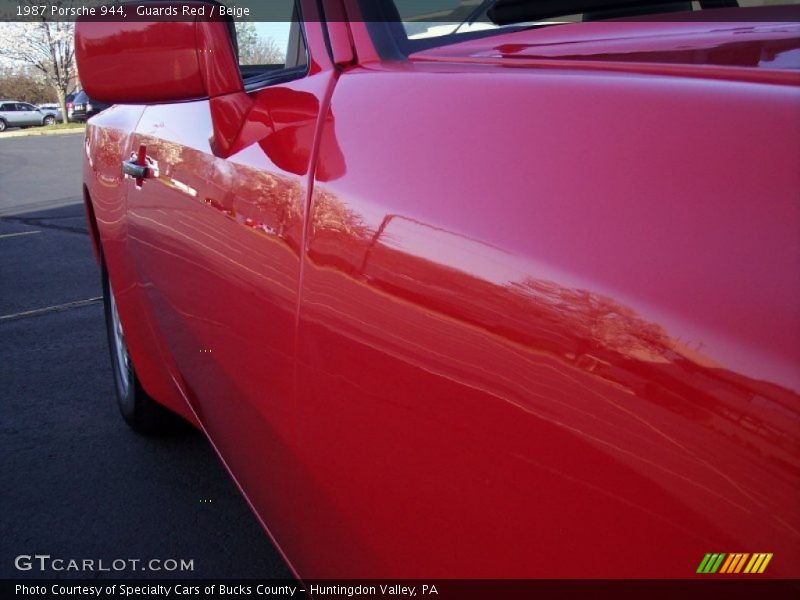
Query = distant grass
x=43 y=129
x=59 y=125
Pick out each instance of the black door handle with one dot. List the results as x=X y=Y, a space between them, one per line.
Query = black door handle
x=131 y=168
x=138 y=167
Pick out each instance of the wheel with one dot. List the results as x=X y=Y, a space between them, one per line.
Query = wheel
x=49 y=120
x=139 y=410
x=2 y=125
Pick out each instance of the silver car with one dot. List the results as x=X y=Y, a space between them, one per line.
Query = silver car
x=51 y=109
x=22 y=114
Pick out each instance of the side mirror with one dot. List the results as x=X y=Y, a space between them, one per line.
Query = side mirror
x=135 y=61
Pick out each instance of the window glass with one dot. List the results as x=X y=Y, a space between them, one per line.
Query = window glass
x=8 y=107
x=446 y=21
x=22 y=106
x=268 y=48
x=439 y=18
x=262 y=43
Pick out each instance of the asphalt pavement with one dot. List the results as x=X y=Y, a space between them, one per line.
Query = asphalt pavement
x=76 y=482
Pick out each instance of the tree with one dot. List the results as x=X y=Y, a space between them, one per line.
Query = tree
x=255 y=49
x=19 y=82
x=48 y=47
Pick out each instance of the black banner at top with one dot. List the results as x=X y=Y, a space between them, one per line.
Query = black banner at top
x=145 y=10
x=472 y=12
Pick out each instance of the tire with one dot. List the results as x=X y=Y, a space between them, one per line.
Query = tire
x=140 y=411
x=2 y=125
x=49 y=120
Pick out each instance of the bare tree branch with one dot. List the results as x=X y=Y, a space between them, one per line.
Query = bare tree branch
x=46 y=46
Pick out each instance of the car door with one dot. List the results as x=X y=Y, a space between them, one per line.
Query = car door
x=28 y=114
x=216 y=245
x=516 y=342
x=10 y=114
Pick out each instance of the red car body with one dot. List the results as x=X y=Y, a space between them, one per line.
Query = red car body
x=522 y=306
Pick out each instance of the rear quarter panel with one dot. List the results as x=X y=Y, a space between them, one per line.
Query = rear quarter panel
x=549 y=326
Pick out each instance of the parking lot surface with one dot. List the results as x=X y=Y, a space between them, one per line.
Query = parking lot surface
x=76 y=482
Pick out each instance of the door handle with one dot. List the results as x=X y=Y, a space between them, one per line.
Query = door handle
x=138 y=167
x=130 y=168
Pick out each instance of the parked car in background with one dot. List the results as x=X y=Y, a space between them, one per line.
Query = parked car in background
x=520 y=302
x=84 y=108
x=50 y=110
x=22 y=114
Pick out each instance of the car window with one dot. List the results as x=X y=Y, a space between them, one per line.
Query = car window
x=8 y=107
x=271 y=51
x=427 y=23
x=23 y=106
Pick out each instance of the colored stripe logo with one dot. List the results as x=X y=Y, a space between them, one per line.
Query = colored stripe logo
x=737 y=562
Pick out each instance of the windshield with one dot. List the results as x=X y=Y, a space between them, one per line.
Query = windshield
x=441 y=18
x=437 y=22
